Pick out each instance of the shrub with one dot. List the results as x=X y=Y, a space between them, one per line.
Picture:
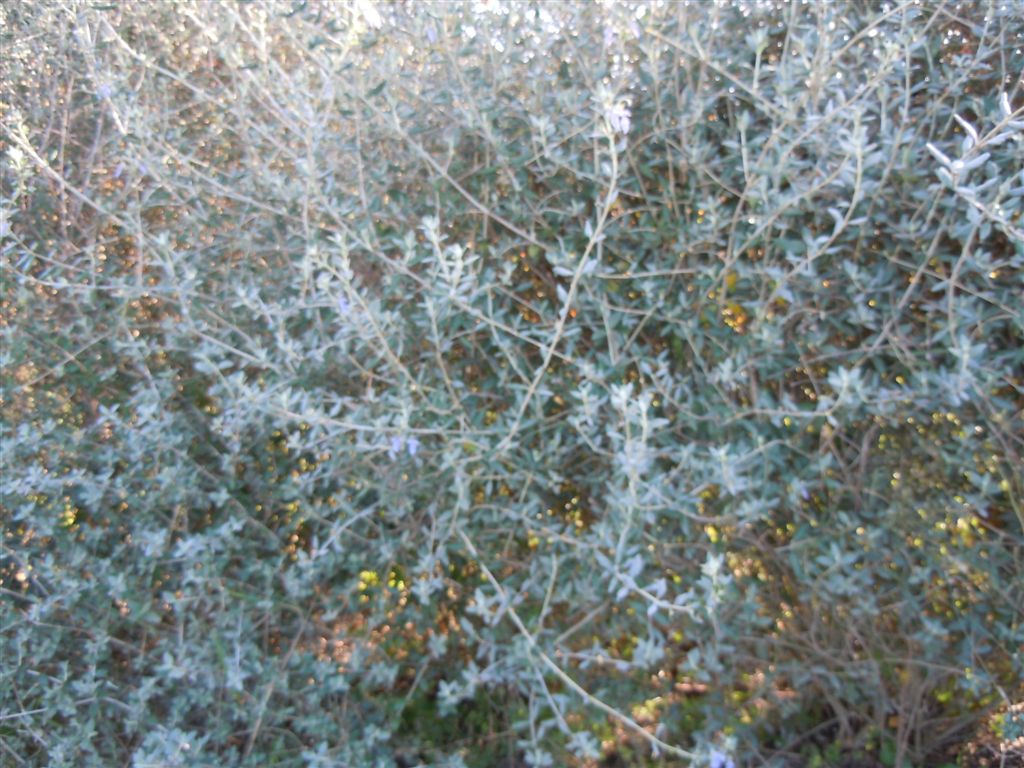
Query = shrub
x=442 y=384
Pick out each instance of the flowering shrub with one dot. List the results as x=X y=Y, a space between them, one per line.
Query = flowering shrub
x=444 y=384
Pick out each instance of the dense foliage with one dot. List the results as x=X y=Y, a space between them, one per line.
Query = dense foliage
x=511 y=383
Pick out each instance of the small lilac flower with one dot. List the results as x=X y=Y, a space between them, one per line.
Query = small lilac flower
x=721 y=760
x=343 y=306
x=104 y=91
x=431 y=34
x=619 y=118
x=412 y=445
x=118 y=170
x=396 y=446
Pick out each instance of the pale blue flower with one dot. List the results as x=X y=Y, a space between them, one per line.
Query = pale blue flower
x=412 y=445
x=396 y=446
x=721 y=760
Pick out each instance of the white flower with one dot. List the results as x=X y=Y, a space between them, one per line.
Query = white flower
x=619 y=118
x=370 y=13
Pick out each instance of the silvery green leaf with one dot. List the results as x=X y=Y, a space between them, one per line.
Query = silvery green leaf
x=837 y=217
x=960 y=166
x=968 y=129
x=539 y=757
x=584 y=745
x=657 y=588
x=634 y=566
x=999 y=138
x=938 y=154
